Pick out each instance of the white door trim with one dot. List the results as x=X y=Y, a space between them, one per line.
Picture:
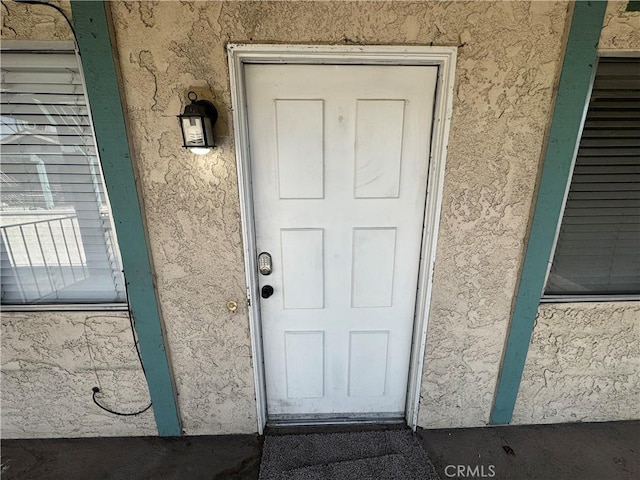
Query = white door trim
x=442 y=57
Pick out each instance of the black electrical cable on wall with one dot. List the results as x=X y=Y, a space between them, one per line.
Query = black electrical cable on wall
x=96 y=390
x=144 y=372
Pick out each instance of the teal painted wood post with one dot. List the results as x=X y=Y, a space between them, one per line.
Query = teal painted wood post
x=576 y=77
x=94 y=43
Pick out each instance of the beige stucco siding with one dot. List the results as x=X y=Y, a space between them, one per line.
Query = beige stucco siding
x=620 y=29
x=50 y=363
x=35 y=22
x=508 y=58
x=583 y=365
x=584 y=359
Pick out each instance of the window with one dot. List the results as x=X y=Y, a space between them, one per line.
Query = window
x=598 y=246
x=57 y=241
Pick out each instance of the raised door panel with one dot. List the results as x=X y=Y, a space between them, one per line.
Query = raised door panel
x=300 y=137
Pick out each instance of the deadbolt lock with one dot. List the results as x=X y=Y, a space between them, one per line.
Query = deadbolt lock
x=264 y=263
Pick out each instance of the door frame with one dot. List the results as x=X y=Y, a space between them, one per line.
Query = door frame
x=442 y=57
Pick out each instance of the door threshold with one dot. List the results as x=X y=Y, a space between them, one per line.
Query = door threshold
x=333 y=428
x=332 y=419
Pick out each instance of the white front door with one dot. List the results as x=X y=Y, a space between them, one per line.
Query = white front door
x=339 y=164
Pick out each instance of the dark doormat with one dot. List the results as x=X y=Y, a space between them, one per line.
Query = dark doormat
x=389 y=454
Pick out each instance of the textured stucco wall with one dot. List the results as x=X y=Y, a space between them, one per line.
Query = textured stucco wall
x=620 y=29
x=34 y=22
x=583 y=365
x=584 y=359
x=505 y=81
x=50 y=361
x=508 y=58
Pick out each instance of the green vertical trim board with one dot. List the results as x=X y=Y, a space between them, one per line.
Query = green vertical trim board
x=572 y=98
x=94 y=43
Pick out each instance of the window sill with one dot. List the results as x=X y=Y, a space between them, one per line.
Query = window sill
x=589 y=298
x=70 y=307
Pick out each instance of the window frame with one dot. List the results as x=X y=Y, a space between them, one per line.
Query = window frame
x=593 y=298
x=57 y=46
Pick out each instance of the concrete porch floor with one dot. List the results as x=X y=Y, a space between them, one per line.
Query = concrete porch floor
x=598 y=451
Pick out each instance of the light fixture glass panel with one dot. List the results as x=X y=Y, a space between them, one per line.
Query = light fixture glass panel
x=193 y=131
x=208 y=129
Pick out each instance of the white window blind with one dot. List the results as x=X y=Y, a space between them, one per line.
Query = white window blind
x=598 y=247
x=57 y=241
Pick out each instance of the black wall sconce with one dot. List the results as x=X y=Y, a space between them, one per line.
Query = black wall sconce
x=197 y=123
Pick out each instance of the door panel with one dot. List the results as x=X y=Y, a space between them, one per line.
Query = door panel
x=300 y=148
x=339 y=163
x=302 y=268
x=379 y=126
